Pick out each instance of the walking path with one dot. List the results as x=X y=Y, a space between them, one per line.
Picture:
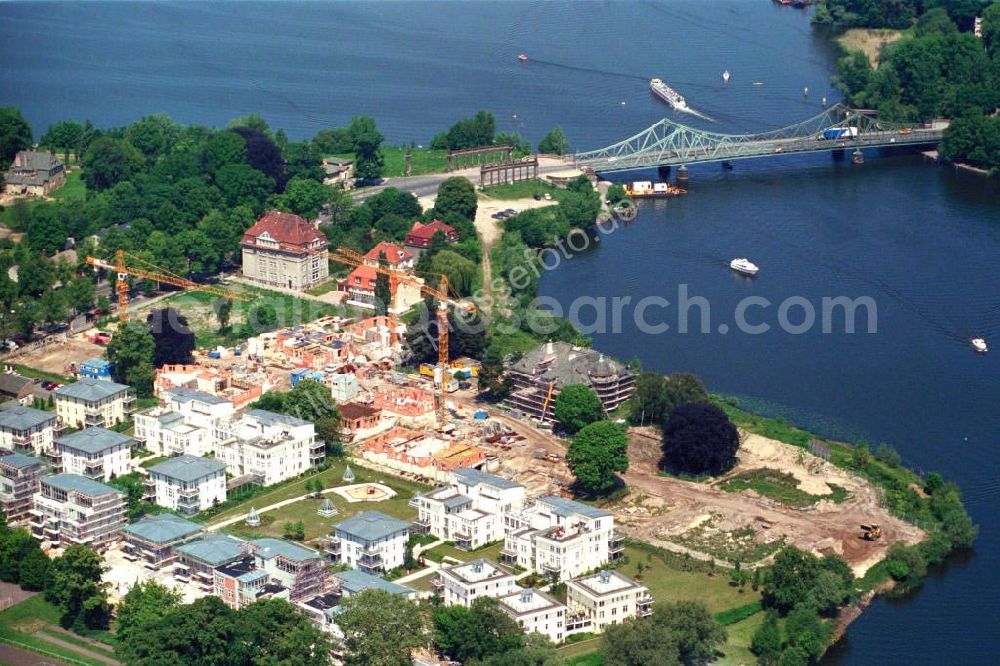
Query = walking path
x=428 y=570
x=76 y=648
x=270 y=507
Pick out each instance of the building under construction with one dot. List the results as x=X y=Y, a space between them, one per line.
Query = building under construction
x=544 y=371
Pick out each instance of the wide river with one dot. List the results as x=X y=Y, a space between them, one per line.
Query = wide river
x=923 y=242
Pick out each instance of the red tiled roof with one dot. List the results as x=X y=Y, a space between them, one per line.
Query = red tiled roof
x=424 y=232
x=394 y=254
x=362 y=277
x=291 y=231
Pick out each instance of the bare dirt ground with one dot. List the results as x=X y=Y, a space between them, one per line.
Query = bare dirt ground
x=57 y=356
x=670 y=512
x=869 y=41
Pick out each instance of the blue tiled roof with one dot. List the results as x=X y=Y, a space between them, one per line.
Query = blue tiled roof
x=270 y=418
x=354 y=581
x=473 y=476
x=567 y=507
x=90 y=390
x=188 y=468
x=185 y=394
x=94 y=440
x=371 y=526
x=22 y=418
x=82 y=484
x=214 y=549
x=268 y=548
x=96 y=364
x=19 y=460
x=163 y=528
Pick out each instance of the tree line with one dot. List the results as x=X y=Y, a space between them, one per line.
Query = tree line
x=938 y=68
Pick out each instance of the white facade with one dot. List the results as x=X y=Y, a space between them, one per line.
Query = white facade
x=560 y=537
x=27 y=430
x=167 y=433
x=370 y=541
x=93 y=402
x=187 y=484
x=605 y=598
x=271 y=447
x=200 y=409
x=96 y=453
x=464 y=583
x=536 y=611
x=470 y=510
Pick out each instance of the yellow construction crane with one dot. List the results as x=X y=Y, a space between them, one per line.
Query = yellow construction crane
x=154 y=273
x=548 y=398
x=348 y=257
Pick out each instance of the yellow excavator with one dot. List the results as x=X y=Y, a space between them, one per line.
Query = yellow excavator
x=871 y=532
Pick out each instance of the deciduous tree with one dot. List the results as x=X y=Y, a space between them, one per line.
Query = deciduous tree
x=368 y=161
x=554 y=143
x=381 y=629
x=131 y=355
x=699 y=439
x=456 y=196
x=597 y=452
x=78 y=590
x=108 y=162
x=577 y=406
x=15 y=134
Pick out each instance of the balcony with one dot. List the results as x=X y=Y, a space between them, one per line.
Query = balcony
x=416 y=501
x=462 y=541
x=616 y=544
x=93 y=419
x=332 y=546
x=644 y=605
x=94 y=470
x=421 y=526
x=508 y=556
x=437 y=583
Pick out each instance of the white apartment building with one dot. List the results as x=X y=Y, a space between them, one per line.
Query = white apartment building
x=27 y=430
x=96 y=453
x=187 y=484
x=200 y=409
x=535 y=611
x=470 y=510
x=462 y=584
x=369 y=541
x=72 y=509
x=270 y=447
x=561 y=538
x=167 y=433
x=19 y=476
x=93 y=402
x=605 y=598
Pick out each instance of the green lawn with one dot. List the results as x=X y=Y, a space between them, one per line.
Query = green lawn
x=28 y=371
x=523 y=190
x=330 y=478
x=424 y=161
x=153 y=461
x=20 y=622
x=325 y=288
x=589 y=648
x=737 y=648
x=781 y=487
x=667 y=583
x=489 y=552
x=106 y=651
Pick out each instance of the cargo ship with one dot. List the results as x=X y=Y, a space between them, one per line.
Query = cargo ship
x=668 y=94
x=642 y=189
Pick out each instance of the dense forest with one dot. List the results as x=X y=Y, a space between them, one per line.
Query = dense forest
x=938 y=68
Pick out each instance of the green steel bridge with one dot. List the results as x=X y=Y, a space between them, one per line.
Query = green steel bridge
x=671 y=144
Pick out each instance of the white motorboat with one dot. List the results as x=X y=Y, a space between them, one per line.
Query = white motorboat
x=725 y=76
x=979 y=344
x=744 y=265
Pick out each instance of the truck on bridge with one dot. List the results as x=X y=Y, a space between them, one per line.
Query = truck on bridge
x=838 y=133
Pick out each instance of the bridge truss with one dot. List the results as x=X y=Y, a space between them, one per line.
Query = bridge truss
x=671 y=144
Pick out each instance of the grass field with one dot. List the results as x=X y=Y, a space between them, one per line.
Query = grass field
x=424 y=161
x=523 y=190
x=325 y=288
x=781 y=487
x=20 y=623
x=198 y=308
x=41 y=374
x=667 y=583
x=489 y=552
x=737 y=648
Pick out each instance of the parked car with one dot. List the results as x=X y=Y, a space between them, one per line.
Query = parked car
x=49 y=386
x=464 y=386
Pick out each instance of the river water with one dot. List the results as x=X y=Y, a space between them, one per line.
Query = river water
x=921 y=241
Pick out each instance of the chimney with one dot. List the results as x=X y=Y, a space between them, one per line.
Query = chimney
x=526 y=596
x=605 y=576
x=477 y=567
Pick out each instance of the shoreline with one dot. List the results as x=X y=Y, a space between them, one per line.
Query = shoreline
x=934 y=155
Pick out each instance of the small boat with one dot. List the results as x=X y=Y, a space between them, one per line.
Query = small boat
x=725 y=76
x=758 y=83
x=744 y=265
x=668 y=94
x=979 y=345
x=522 y=58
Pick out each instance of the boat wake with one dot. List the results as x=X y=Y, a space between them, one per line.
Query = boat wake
x=699 y=114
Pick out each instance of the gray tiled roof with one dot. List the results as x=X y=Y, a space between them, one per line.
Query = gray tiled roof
x=474 y=476
x=567 y=507
x=371 y=526
x=19 y=460
x=268 y=548
x=271 y=418
x=90 y=389
x=13 y=383
x=214 y=549
x=79 y=483
x=23 y=418
x=181 y=394
x=31 y=167
x=354 y=581
x=94 y=440
x=566 y=364
x=188 y=468
x=163 y=528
